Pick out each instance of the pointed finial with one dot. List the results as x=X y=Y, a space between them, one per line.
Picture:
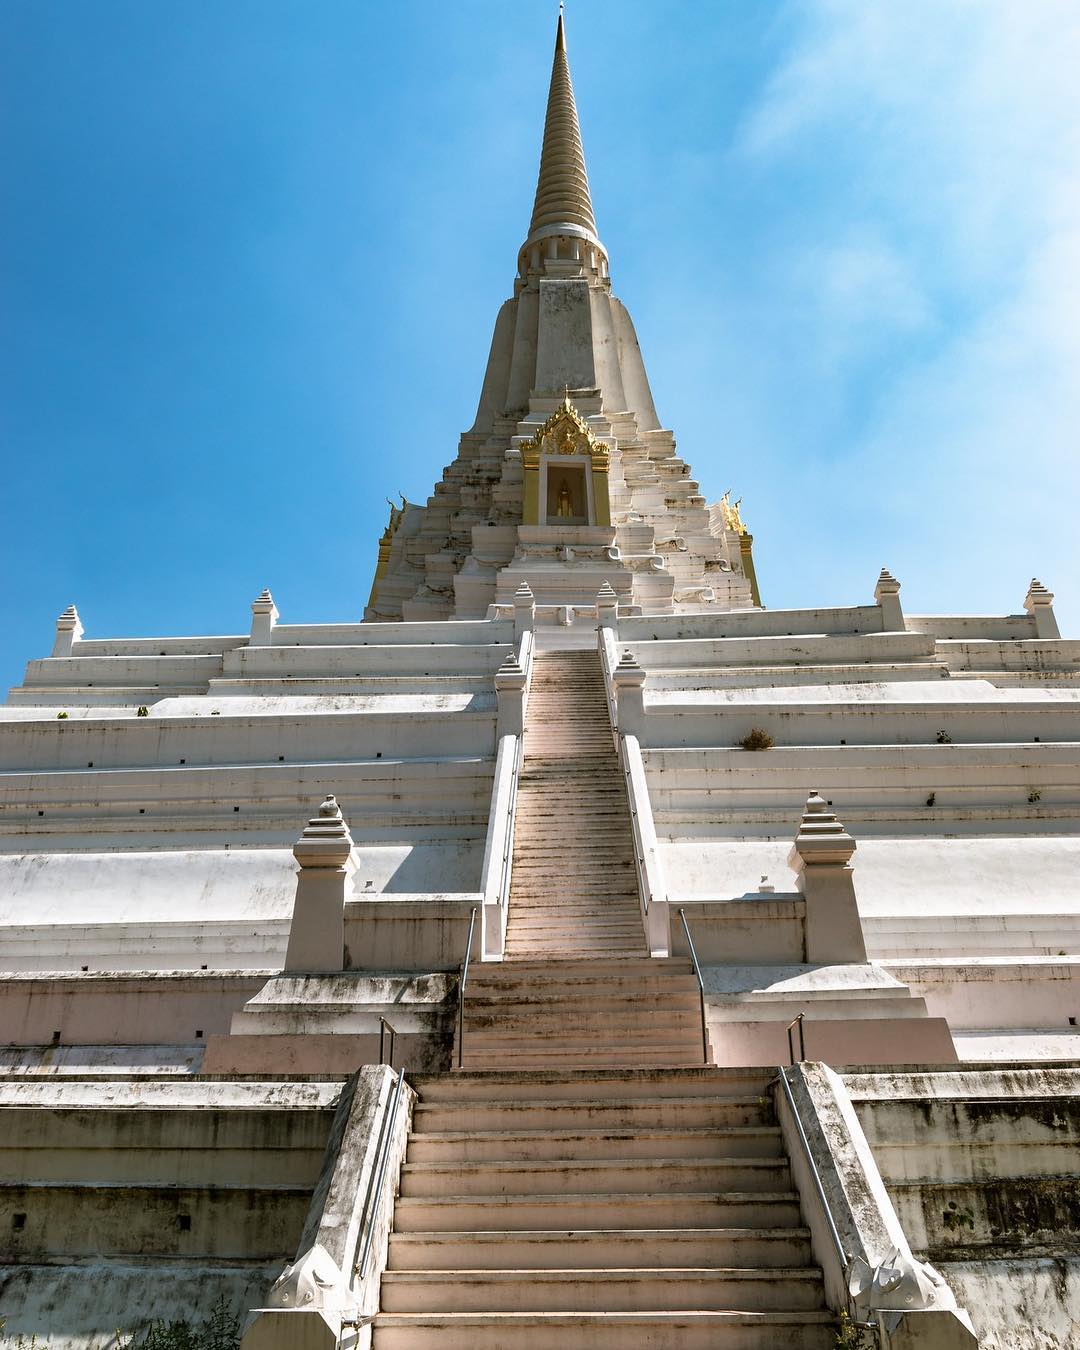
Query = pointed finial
x=562 y=203
x=326 y=841
x=264 y=615
x=1039 y=603
x=887 y=595
x=821 y=838
x=69 y=630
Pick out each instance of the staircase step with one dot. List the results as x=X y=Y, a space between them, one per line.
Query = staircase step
x=600 y=1249
x=594 y=1176
x=619 y=1088
x=636 y=1209
x=639 y=1290
x=605 y=1331
x=479 y=1146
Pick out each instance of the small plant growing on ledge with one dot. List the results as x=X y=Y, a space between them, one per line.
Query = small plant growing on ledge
x=1034 y=795
x=757 y=739
x=850 y=1336
x=143 y=711
x=931 y=799
x=943 y=738
x=60 y=716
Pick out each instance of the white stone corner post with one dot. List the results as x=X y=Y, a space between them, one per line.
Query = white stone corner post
x=264 y=616
x=510 y=692
x=607 y=607
x=69 y=630
x=1039 y=603
x=524 y=610
x=317 y=932
x=887 y=595
x=821 y=858
x=629 y=681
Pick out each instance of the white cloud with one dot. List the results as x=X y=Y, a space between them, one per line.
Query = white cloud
x=953 y=133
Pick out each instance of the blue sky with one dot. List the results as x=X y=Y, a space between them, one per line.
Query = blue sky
x=252 y=251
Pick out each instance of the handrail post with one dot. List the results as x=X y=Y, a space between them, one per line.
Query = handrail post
x=384 y=1027
x=798 y=1022
x=461 y=988
x=701 y=986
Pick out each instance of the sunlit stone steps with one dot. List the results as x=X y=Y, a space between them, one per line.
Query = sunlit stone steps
x=610 y=1209
x=574 y=882
x=607 y=1010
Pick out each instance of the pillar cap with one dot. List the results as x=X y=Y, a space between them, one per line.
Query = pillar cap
x=264 y=604
x=326 y=841
x=887 y=584
x=511 y=674
x=1037 y=594
x=821 y=839
x=628 y=673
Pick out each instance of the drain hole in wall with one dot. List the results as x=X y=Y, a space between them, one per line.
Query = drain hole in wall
x=18 y=1222
x=183 y=1222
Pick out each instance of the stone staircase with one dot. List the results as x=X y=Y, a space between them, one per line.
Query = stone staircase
x=598 y=1211
x=573 y=890
x=582 y=1014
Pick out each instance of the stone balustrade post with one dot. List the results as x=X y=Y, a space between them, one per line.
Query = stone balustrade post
x=510 y=692
x=629 y=681
x=820 y=857
x=524 y=610
x=607 y=607
x=317 y=932
x=264 y=616
x=69 y=630
x=1039 y=603
x=887 y=595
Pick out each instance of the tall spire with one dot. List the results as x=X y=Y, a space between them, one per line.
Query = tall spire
x=563 y=204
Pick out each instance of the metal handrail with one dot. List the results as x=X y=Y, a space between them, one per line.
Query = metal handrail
x=384 y=1027
x=798 y=1022
x=371 y=1205
x=461 y=989
x=834 y=1232
x=701 y=986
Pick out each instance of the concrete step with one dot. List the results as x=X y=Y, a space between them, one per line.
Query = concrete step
x=619 y=1087
x=601 y=1175
x=478 y=1145
x=691 y=1113
x=605 y=1331
x=512 y=986
x=637 y=1209
x=600 y=1056
x=601 y=1249
x=621 y=1001
x=640 y=1290
x=582 y=1038
x=584 y=1021
x=644 y=966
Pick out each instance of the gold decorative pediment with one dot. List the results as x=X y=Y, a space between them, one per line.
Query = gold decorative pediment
x=730 y=513
x=565 y=433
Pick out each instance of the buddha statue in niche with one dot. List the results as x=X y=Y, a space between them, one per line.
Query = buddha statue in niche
x=564 y=508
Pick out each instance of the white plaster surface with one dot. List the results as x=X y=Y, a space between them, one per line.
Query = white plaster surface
x=81 y=1306
x=909 y=876
x=1020 y=1304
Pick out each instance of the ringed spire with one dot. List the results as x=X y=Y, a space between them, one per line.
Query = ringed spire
x=563 y=204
